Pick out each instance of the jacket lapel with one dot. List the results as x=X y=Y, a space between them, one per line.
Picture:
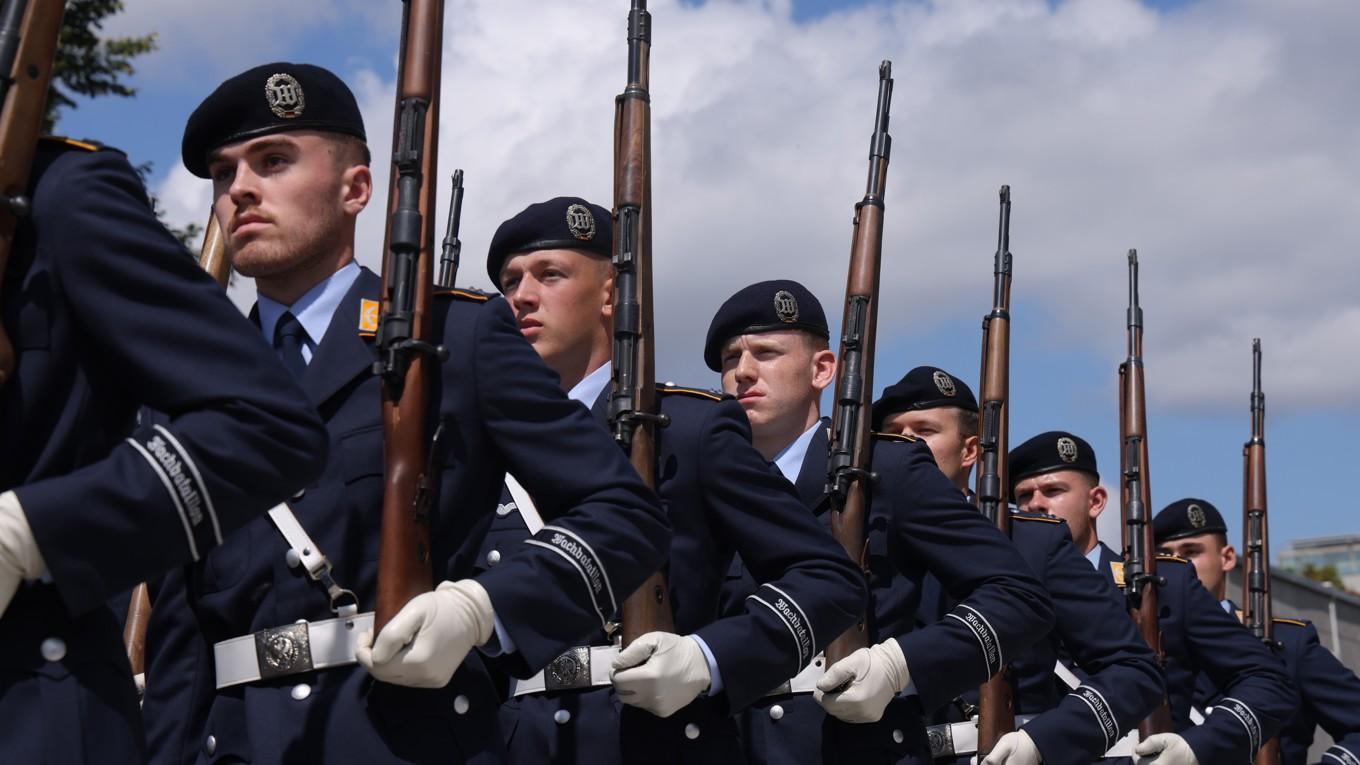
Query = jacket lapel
x=811 y=483
x=342 y=354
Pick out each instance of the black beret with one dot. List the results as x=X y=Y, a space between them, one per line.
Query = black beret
x=1187 y=517
x=764 y=307
x=561 y=223
x=273 y=98
x=923 y=388
x=1050 y=452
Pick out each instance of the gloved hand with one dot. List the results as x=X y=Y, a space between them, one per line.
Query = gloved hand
x=857 y=689
x=19 y=555
x=430 y=636
x=1014 y=748
x=1164 y=749
x=660 y=672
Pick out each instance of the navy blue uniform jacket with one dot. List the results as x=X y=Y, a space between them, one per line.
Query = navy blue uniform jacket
x=1198 y=636
x=108 y=313
x=502 y=409
x=1121 y=682
x=722 y=498
x=1329 y=691
x=918 y=523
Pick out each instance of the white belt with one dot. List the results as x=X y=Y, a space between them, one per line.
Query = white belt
x=805 y=681
x=577 y=668
x=958 y=739
x=299 y=647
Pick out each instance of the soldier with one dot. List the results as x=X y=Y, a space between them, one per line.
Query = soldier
x=1056 y=473
x=1093 y=678
x=553 y=263
x=769 y=343
x=1194 y=529
x=108 y=314
x=269 y=629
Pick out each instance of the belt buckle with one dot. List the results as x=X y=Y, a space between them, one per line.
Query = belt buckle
x=941 y=740
x=283 y=650
x=569 y=671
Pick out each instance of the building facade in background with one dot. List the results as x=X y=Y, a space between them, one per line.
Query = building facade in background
x=1340 y=552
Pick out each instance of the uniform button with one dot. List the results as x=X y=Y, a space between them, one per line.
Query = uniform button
x=493 y=557
x=292 y=558
x=210 y=745
x=776 y=712
x=460 y=704
x=299 y=495
x=301 y=691
x=54 y=649
x=897 y=736
x=562 y=717
x=691 y=731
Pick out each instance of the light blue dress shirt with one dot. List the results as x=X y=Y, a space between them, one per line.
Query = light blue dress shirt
x=313 y=310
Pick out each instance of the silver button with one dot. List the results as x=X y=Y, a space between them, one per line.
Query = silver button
x=301 y=691
x=54 y=649
x=493 y=557
x=776 y=712
x=897 y=736
x=691 y=731
x=292 y=558
x=562 y=717
x=210 y=745
x=300 y=493
x=460 y=704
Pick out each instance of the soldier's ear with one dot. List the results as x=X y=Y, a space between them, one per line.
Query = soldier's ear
x=1229 y=556
x=823 y=369
x=356 y=188
x=970 y=451
x=1097 y=497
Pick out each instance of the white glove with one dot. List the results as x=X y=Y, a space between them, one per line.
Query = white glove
x=430 y=636
x=857 y=689
x=20 y=558
x=1164 y=749
x=660 y=672
x=1014 y=748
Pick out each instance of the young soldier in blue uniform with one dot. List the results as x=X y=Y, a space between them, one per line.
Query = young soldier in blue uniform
x=1055 y=473
x=679 y=690
x=273 y=652
x=1194 y=529
x=108 y=314
x=769 y=343
x=1060 y=718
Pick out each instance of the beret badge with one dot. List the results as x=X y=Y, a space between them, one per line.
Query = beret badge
x=786 y=306
x=581 y=222
x=945 y=384
x=1067 y=450
x=284 y=94
x=1195 y=514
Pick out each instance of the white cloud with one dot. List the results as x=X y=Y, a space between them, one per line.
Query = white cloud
x=1218 y=139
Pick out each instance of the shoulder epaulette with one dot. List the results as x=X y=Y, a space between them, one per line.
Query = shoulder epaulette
x=894 y=437
x=61 y=140
x=711 y=395
x=464 y=293
x=1173 y=558
x=1295 y=622
x=1040 y=517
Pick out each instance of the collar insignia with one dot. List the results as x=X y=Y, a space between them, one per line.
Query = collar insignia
x=368 y=315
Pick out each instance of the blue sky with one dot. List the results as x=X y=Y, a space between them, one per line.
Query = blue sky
x=1068 y=314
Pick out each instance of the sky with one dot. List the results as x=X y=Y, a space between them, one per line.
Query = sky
x=1215 y=136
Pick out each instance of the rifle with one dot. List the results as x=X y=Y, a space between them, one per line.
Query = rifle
x=1140 y=560
x=850 y=458
x=212 y=257
x=633 y=413
x=996 y=709
x=28 y=43
x=1256 y=532
x=453 y=246
x=404 y=567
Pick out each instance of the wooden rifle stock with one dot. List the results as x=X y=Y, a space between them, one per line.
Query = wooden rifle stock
x=632 y=406
x=996 y=707
x=29 y=30
x=850 y=457
x=1256 y=606
x=1140 y=566
x=406 y=356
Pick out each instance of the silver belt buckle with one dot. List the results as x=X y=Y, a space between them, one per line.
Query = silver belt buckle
x=283 y=650
x=569 y=671
x=941 y=740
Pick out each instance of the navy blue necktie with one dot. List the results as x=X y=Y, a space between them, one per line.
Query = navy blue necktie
x=289 y=337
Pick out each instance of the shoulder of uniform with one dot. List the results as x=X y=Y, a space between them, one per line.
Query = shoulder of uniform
x=893 y=437
x=1039 y=517
x=62 y=142
x=670 y=387
x=1173 y=559
x=463 y=293
x=1294 y=622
